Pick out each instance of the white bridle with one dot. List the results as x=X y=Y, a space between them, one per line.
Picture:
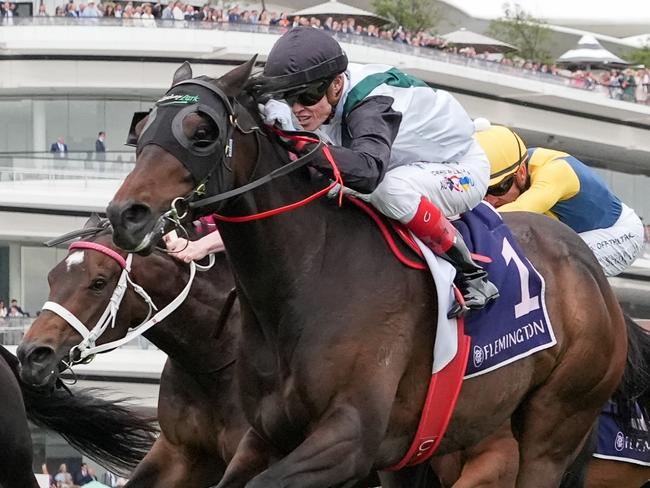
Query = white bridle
x=87 y=346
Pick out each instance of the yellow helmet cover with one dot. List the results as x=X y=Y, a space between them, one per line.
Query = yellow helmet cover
x=505 y=150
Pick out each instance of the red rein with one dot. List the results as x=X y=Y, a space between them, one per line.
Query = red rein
x=301 y=141
x=338 y=180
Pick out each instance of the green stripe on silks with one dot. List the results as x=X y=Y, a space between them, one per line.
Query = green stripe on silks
x=392 y=77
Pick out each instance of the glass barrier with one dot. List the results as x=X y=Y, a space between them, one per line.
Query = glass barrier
x=108 y=156
x=12 y=329
x=73 y=166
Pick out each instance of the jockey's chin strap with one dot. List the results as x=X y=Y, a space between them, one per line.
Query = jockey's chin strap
x=87 y=347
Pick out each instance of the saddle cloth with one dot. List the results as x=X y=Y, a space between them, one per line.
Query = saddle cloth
x=512 y=327
x=515 y=325
x=615 y=445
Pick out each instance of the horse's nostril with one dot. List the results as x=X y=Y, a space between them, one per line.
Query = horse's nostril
x=40 y=354
x=136 y=213
x=131 y=222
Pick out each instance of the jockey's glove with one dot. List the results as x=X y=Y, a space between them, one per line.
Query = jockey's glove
x=277 y=113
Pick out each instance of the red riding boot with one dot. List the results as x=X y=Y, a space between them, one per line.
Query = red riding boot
x=432 y=227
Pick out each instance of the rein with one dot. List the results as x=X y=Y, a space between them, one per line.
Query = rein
x=87 y=347
x=285 y=170
x=302 y=138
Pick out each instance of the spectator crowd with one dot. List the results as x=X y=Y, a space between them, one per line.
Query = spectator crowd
x=12 y=325
x=63 y=478
x=14 y=310
x=628 y=85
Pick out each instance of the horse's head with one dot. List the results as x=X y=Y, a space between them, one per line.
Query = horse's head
x=82 y=285
x=184 y=146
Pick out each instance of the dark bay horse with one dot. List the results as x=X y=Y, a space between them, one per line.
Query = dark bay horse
x=109 y=432
x=199 y=413
x=337 y=336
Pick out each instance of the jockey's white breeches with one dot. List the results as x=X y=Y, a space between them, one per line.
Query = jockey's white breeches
x=454 y=187
x=619 y=245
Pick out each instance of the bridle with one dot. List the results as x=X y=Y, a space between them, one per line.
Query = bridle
x=181 y=206
x=87 y=348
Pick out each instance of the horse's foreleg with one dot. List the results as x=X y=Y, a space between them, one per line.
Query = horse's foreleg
x=252 y=457
x=161 y=467
x=421 y=476
x=332 y=455
x=493 y=463
x=168 y=466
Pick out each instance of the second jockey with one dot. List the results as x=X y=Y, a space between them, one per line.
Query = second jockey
x=406 y=146
x=559 y=185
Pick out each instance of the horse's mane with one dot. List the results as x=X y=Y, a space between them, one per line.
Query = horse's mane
x=247 y=100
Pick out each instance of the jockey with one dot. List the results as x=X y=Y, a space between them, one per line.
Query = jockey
x=405 y=146
x=557 y=184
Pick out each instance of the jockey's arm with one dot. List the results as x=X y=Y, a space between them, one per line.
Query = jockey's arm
x=212 y=242
x=553 y=182
x=372 y=126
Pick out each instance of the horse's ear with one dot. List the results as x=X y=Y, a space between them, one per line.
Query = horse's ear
x=93 y=221
x=183 y=73
x=233 y=82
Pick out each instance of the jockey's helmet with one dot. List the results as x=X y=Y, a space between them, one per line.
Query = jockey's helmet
x=505 y=150
x=301 y=65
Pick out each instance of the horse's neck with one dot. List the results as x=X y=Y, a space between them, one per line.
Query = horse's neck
x=189 y=336
x=276 y=249
x=278 y=260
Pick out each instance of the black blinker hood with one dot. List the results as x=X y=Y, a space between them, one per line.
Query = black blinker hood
x=164 y=128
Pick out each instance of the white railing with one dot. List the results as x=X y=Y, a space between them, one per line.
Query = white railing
x=74 y=166
x=12 y=330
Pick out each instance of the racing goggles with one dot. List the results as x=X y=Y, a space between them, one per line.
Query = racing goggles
x=502 y=187
x=309 y=94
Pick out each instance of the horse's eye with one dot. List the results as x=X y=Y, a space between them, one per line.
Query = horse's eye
x=98 y=284
x=202 y=133
x=203 y=137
